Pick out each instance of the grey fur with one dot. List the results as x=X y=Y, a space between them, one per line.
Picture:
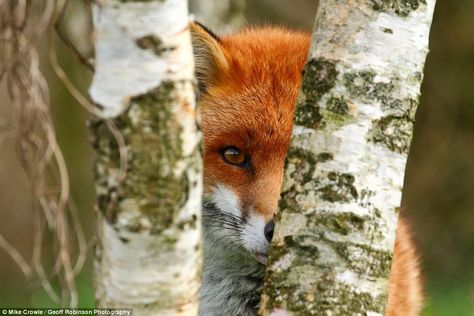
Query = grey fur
x=232 y=278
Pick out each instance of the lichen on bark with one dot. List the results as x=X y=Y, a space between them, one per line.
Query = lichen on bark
x=319 y=76
x=400 y=7
x=154 y=153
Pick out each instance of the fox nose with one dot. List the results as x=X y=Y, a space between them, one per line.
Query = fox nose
x=268 y=230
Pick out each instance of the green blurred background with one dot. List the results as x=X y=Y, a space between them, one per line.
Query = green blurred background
x=439 y=185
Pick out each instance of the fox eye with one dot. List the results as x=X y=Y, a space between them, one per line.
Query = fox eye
x=234 y=156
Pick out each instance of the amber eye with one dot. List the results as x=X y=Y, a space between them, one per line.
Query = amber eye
x=234 y=156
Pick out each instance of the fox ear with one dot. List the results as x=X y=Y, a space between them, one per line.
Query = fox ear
x=209 y=57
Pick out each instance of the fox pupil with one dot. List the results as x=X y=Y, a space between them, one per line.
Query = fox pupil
x=234 y=156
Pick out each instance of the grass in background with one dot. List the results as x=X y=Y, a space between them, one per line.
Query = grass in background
x=449 y=300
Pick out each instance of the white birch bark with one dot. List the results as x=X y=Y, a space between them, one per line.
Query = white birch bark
x=333 y=244
x=149 y=250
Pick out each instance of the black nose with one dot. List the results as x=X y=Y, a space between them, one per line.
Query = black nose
x=268 y=230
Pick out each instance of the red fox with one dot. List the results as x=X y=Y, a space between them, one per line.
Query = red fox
x=249 y=82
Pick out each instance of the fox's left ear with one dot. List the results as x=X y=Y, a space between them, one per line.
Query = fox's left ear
x=209 y=56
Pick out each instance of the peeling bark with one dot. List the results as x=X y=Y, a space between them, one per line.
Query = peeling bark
x=148 y=254
x=333 y=245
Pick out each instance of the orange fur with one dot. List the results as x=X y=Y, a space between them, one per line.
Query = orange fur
x=252 y=77
x=405 y=286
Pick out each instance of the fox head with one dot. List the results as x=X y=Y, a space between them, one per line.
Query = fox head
x=249 y=83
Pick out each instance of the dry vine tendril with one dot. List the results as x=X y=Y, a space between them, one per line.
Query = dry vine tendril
x=38 y=152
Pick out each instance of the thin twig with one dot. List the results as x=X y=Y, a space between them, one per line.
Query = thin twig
x=57 y=25
x=37 y=148
x=17 y=257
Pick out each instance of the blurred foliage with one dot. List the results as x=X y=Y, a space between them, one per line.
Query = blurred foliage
x=440 y=173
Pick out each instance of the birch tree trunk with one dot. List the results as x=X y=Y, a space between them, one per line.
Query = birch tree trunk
x=333 y=244
x=149 y=251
